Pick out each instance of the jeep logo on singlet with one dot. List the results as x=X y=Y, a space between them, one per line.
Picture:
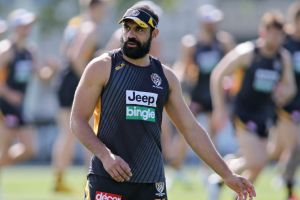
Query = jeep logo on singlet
x=141 y=98
x=140 y=105
x=265 y=80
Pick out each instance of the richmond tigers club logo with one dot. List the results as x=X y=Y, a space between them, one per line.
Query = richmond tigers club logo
x=156 y=79
x=160 y=187
x=134 y=13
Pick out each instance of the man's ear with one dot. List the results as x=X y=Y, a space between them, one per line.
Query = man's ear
x=155 y=33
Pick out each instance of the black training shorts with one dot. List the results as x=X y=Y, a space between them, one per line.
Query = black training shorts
x=67 y=88
x=103 y=188
x=11 y=115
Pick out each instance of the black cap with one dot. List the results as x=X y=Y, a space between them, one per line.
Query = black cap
x=141 y=17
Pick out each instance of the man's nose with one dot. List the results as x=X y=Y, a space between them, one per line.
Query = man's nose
x=131 y=34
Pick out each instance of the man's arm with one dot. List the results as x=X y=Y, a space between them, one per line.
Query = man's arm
x=184 y=67
x=199 y=140
x=226 y=40
x=86 y=97
x=115 y=40
x=286 y=88
x=237 y=58
x=82 y=47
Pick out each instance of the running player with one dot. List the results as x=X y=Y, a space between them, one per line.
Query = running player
x=199 y=56
x=287 y=129
x=268 y=80
x=129 y=89
x=17 y=66
x=79 y=45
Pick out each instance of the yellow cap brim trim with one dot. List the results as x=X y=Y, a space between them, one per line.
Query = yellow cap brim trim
x=137 y=21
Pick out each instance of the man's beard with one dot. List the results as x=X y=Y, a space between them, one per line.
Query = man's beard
x=139 y=51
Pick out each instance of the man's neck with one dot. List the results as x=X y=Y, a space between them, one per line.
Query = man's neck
x=142 y=62
x=206 y=36
x=19 y=42
x=267 y=50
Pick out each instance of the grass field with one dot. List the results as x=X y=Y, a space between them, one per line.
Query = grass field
x=35 y=183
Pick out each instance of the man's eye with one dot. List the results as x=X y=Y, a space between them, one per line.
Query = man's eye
x=140 y=29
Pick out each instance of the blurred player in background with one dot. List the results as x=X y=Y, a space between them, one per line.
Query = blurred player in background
x=17 y=65
x=199 y=55
x=286 y=134
x=267 y=81
x=3 y=29
x=79 y=46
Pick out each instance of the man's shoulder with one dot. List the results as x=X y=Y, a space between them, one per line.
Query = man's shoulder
x=245 y=48
x=169 y=73
x=102 y=60
x=98 y=69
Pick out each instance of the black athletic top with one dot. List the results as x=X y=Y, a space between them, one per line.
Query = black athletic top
x=293 y=46
x=206 y=57
x=19 y=70
x=16 y=76
x=255 y=96
x=131 y=114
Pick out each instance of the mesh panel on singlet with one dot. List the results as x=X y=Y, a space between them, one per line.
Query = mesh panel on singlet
x=131 y=114
x=255 y=96
x=293 y=46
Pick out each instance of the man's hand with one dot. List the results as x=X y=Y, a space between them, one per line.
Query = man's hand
x=116 y=167
x=241 y=186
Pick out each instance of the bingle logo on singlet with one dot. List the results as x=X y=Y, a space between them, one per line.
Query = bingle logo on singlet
x=140 y=105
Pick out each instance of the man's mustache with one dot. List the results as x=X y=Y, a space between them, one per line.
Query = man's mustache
x=134 y=41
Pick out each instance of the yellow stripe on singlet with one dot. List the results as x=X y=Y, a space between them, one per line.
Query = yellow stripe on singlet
x=239 y=124
x=282 y=114
x=87 y=191
x=3 y=74
x=237 y=76
x=75 y=21
x=3 y=78
x=1 y=116
x=97 y=117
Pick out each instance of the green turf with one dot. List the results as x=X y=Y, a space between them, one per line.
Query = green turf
x=35 y=183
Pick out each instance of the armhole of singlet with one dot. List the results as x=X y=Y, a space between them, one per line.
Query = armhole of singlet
x=279 y=54
x=255 y=53
x=113 y=54
x=280 y=59
x=256 y=49
x=160 y=68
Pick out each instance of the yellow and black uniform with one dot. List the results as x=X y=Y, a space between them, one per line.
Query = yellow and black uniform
x=130 y=126
x=70 y=79
x=293 y=108
x=206 y=57
x=18 y=74
x=254 y=108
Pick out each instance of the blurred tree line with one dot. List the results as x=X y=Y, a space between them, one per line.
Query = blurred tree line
x=54 y=14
